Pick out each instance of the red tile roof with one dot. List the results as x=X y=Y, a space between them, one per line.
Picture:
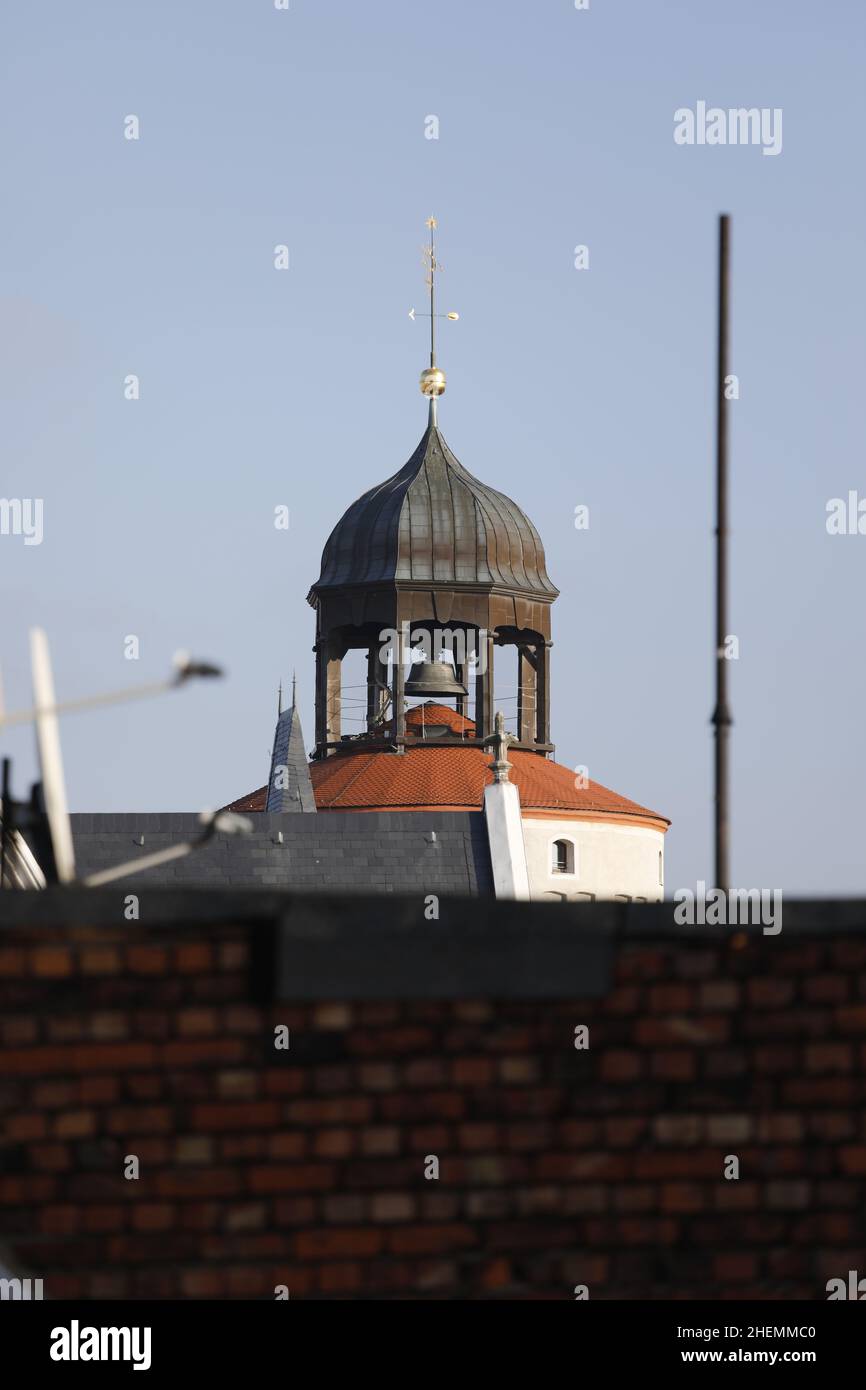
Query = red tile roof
x=427 y=777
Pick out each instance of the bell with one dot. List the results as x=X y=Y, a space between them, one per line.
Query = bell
x=435 y=678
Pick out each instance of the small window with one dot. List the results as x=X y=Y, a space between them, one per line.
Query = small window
x=562 y=861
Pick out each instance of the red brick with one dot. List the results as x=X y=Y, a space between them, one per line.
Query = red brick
x=780 y=1128
x=519 y=1071
x=381 y=1141
x=472 y=1071
x=342 y=1277
x=736 y=1195
x=414 y=1240
x=374 y=1076
x=825 y=989
x=60 y=1221
x=434 y=1139
x=197 y=1182
x=770 y=993
x=332 y=1016
x=350 y=1110
x=147 y=960
x=737 y=1267
x=144 y=1087
x=153 y=1216
x=103 y=1218
x=65 y=1028
x=640 y=964
x=788 y=1195
x=194 y=1148
x=682 y=1196
x=100 y=960
x=104 y=1026
x=666 y=999
x=196 y=1023
x=495 y=1274
x=193 y=958
x=19 y=1030
x=389 y=1207
x=849 y=954
x=334 y=1143
x=296 y=1211
x=12 y=963
x=51 y=962
x=247 y=1281
x=203 y=1283
x=853 y=1160
x=53 y=1095
x=50 y=1157
x=678 y=1065
x=477 y=1137
x=142 y=1119
x=329 y=1244
x=302 y=1178
x=19 y=1190
x=824 y=1058
x=425 y=1071
x=75 y=1124
x=263 y=1114
x=720 y=994
x=291 y=1144
x=770 y=1061
x=192 y=1054
x=852 y=1020
x=288 y=1081
x=233 y=955
x=31 y=1125
x=621 y=1066
x=241 y=1018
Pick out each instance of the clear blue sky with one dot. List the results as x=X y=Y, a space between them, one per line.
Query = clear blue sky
x=258 y=387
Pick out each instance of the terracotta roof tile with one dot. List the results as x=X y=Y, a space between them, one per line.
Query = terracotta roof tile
x=430 y=777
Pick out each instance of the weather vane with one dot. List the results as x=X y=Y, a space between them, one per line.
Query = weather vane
x=433 y=377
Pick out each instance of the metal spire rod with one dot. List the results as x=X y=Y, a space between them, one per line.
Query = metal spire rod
x=431 y=223
x=432 y=378
x=722 y=720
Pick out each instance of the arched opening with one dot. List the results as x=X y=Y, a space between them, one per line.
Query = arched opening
x=562 y=857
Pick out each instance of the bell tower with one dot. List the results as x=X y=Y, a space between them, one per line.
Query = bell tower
x=433 y=560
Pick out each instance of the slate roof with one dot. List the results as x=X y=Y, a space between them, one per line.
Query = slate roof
x=434 y=521
x=390 y=852
x=289 y=787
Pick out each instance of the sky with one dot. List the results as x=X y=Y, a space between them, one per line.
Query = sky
x=308 y=128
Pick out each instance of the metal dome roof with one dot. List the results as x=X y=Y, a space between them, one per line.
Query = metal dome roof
x=434 y=521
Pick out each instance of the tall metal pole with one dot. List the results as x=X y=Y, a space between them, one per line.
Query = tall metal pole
x=722 y=720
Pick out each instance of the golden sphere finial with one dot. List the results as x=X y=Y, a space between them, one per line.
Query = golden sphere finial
x=432 y=381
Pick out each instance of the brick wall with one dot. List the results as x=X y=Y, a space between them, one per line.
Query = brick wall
x=306 y=1168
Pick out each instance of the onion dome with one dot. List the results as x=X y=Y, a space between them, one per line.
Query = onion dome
x=433 y=521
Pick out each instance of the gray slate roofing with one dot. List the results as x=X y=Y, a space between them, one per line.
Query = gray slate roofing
x=434 y=521
x=289 y=785
x=443 y=852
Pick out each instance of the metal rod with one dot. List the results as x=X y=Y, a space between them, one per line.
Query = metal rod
x=135 y=692
x=722 y=715
x=432 y=295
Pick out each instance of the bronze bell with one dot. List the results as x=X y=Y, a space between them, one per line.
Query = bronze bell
x=435 y=678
